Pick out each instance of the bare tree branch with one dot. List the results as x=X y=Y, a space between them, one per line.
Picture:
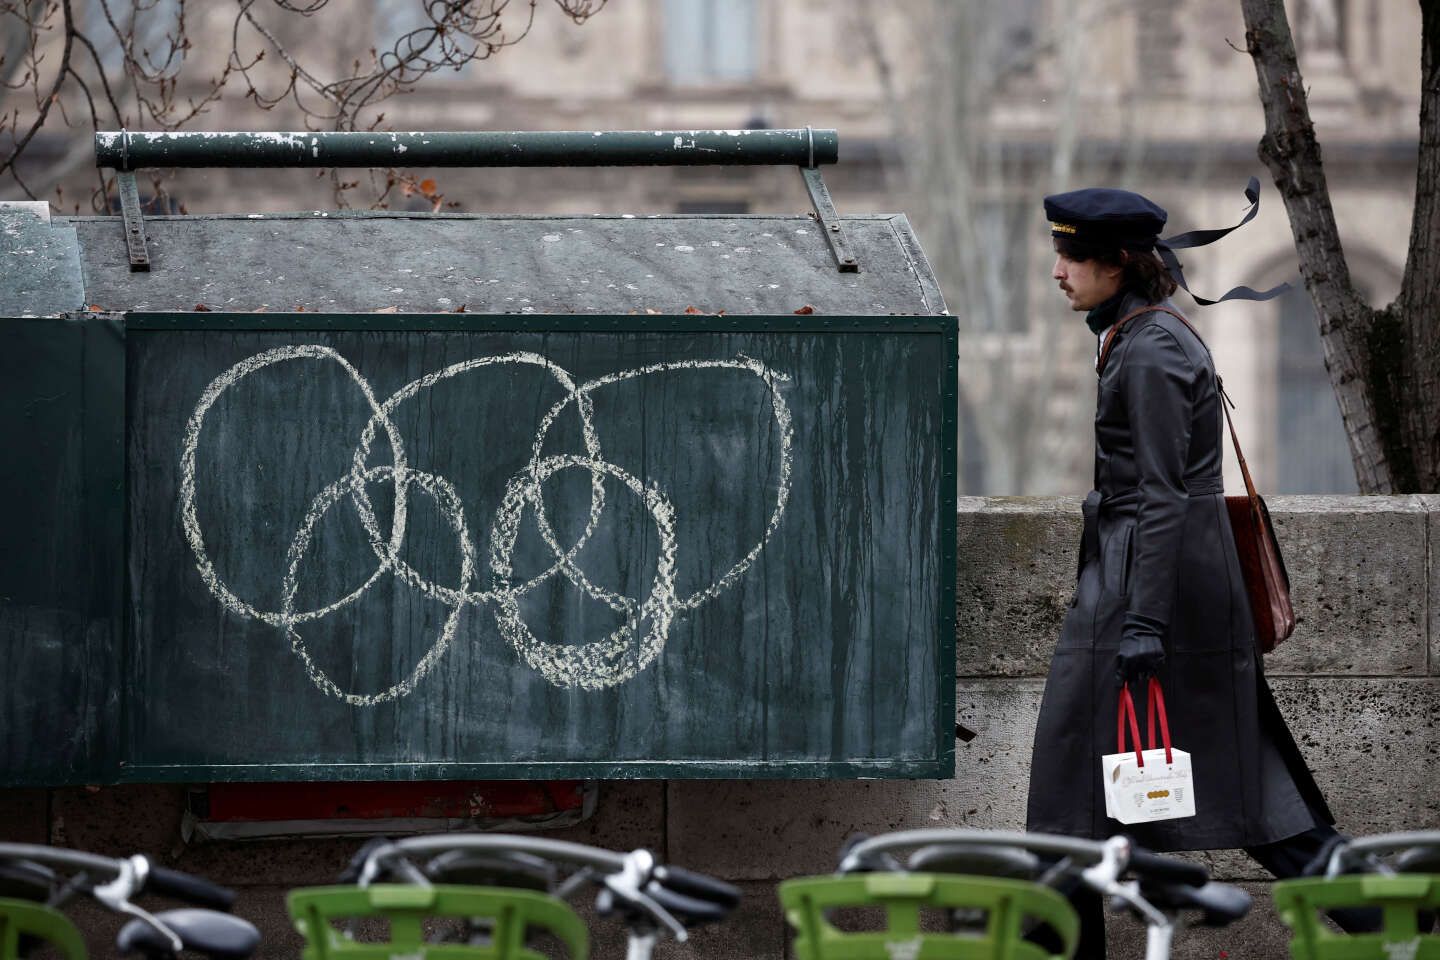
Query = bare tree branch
x=44 y=107
x=137 y=58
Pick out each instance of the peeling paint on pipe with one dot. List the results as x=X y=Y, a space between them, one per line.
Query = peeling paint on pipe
x=123 y=150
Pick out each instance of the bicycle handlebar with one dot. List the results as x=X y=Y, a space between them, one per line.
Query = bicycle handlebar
x=1154 y=866
x=112 y=882
x=190 y=888
x=72 y=859
x=697 y=886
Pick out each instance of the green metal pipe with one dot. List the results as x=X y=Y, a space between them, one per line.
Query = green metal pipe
x=800 y=147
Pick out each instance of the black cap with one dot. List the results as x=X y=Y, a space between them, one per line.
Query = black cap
x=1105 y=215
x=1126 y=219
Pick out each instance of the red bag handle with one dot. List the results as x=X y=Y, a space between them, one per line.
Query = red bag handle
x=1157 y=703
x=1127 y=708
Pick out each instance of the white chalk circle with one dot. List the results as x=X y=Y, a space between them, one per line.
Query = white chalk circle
x=189 y=517
x=603 y=663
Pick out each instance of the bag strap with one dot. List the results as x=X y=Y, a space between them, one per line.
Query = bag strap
x=1157 y=703
x=1225 y=402
x=1127 y=709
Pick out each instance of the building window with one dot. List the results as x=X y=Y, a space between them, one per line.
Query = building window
x=1018 y=29
x=711 y=41
x=1159 y=37
x=1312 y=452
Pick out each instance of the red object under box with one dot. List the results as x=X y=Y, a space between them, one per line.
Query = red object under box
x=242 y=811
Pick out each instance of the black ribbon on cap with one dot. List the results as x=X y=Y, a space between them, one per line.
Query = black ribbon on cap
x=1199 y=238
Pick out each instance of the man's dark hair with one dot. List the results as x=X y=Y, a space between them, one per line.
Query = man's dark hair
x=1144 y=272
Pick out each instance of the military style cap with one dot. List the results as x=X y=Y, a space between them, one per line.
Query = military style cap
x=1109 y=216
x=1105 y=215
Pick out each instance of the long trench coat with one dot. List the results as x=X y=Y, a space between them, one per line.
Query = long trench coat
x=1157 y=546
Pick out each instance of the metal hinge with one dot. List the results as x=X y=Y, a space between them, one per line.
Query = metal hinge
x=134 y=221
x=830 y=224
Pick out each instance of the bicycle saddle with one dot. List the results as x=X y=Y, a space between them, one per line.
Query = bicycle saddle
x=1219 y=903
x=214 y=934
x=500 y=868
x=976 y=860
x=1419 y=860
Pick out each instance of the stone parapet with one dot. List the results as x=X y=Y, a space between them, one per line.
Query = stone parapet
x=1359 y=684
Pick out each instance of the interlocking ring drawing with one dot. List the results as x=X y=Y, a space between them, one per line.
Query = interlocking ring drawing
x=593 y=665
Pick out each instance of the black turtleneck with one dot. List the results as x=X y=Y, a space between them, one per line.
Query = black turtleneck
x=1102 y=317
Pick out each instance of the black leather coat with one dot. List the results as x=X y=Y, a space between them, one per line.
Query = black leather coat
x=1158 y=555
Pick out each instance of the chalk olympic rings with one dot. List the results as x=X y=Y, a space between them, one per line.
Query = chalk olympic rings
x=591 y=666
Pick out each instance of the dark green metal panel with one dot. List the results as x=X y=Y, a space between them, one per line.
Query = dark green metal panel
x=60 y=590
x=829 y=651
x=615 y=148
x=830 y=654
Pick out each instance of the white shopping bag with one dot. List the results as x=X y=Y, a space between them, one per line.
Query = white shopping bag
x=1149 y=785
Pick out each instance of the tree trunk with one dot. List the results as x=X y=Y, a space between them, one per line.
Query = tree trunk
x=1382 y=363
x=1417 y=311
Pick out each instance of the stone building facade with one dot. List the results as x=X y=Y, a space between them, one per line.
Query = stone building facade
x=1015 y=99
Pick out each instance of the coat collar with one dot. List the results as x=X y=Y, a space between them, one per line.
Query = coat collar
x=1104 y=317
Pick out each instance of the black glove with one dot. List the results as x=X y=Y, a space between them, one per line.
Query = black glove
x=1140 y=656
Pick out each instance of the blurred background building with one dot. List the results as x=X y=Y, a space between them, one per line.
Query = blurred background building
x=959 y=114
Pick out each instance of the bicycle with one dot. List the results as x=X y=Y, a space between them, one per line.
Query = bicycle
x=501 y=891
x=1003 y=895
x=1396 y=873
x=36 y=881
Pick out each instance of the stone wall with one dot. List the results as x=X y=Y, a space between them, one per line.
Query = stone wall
x=1359 y=684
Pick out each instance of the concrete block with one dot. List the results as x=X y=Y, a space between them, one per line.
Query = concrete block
x=1260 y=935
x=298 y=862
x=629 y=814
x=776 y=829
x=1230 y=866
x=1357 y=568
x=1358 y=580
x=1373 y=745
x=1015 y=578
x=23 y=815
x=264 y=906
x=770 y=830
x=992 y=772
x=757 y=929
x=119 y=820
